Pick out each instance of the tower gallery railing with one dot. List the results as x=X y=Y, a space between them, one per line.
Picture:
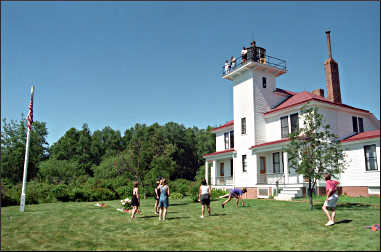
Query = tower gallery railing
x=263 y=59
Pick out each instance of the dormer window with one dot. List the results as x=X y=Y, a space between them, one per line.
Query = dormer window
x=358 y=124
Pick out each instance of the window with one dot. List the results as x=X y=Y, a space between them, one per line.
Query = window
x=244 y=163
x=243 y=125
x=276 y=162
x=354 y=122
x=264 y=82
x=232 y=139
x=231 y=167
x=222 y=169
x=294 y=122
x=370 y=157
x=229 y=140
x=282 y=167
x=226 y=139
x=284 y=126
x=361 y=125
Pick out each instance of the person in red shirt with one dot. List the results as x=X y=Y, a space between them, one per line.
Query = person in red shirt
x=331 y=200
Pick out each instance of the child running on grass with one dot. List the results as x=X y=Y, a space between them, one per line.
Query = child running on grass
x=163 y=202
x=135 y=201
x=237 y=194
x=204 y=196
x=331 y=200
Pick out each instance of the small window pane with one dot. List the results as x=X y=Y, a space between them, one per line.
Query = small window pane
x=276 y=162
x=226 y=138
x=244 y=163
x=232 y=139
x=354 y=122
x=294 y=122
x=361 y=125
x=370 y=157
x=284 y=126
x=264 y=82
x=243 y=126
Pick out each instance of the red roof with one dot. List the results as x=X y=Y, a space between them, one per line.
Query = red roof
x=303 y=97
x=269 y=143
x=362 y=136
x=219 y=152
x=224 y=126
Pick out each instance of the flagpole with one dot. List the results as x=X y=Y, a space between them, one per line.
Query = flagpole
x=30 y=120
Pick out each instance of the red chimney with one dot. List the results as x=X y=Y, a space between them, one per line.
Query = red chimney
x=332 y=75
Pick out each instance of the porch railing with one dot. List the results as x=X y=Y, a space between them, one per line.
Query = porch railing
x=265 y=59
x=271 y=178
x=224 y=180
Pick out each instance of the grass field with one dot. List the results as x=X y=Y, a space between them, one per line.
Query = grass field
x=260 y=225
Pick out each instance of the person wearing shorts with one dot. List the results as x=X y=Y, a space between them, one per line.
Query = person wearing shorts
x=204 y=196
x=135 y=201
x=163 y=201
x=331 y=199
x=157 y=196
x=237 y=194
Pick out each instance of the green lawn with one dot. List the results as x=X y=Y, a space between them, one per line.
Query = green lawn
x=260 y=225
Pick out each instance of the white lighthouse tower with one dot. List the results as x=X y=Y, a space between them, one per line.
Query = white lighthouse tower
x=254 y=93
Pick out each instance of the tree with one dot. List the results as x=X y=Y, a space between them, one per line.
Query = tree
x=13 y=143
x=313 y=150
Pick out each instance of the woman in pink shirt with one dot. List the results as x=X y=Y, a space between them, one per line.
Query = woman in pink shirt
x=331 y=200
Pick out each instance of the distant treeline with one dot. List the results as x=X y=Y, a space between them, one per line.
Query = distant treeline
x=104 y=162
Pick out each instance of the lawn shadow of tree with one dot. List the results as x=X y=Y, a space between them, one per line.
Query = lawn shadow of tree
x=343 y=221
x=180 y=204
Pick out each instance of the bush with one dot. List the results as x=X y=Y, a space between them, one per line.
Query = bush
x=99 y=194
x=59 y=171
x=62 y=192
x=182 y=186
x=217 y=193
x=176 y=195
x=194 y=191
x=124 y=192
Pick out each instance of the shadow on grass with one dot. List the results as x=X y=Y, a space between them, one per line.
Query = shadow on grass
x=179 y=217
x=179 y=204
x=342 y=221
x=347 y=205
x=218 y=214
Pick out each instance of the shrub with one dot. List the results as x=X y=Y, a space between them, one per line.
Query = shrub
x=194 y=191
x=59 y=171
x=80 y=194
x=62 y=192
x=217 y=193
x=124 y=192
x=182 y=186
x=176 y=195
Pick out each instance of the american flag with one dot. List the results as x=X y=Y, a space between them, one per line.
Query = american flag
x=30 y=114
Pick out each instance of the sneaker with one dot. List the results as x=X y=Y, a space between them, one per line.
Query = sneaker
x=330 y=223
x=201 y=217
x=222 y=205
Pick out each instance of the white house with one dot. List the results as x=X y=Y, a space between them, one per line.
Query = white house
x=249 y=148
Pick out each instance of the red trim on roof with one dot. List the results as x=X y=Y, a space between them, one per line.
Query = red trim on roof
x=269 y=143
x=304 y=97
x=362 y=136
x=224 y=126
x=219 y=152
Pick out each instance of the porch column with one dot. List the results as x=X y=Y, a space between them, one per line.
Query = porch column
x=214 y=173
x=256 y=168
x=285 y=165
x=206 y=171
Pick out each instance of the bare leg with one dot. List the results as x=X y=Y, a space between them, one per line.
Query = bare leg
x=333 y=215
x=202 y=210
x=133 y=212
x=160 y=213
x=208 y=209
x=156 y=206
x=236 y=202
x=226 y=201
x=326 y=212
x=165 y=213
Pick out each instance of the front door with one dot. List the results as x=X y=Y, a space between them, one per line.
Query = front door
x=222 y=169
x=262 y=165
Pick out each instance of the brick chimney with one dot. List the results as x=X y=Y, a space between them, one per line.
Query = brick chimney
x=332 y=75
x=319 y=92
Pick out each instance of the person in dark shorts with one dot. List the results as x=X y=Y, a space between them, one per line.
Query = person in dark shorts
x=135 y=201
x=204 y=196
x=237 y=194
x=156 y=195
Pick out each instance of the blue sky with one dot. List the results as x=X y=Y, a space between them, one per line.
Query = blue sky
x=121 y=63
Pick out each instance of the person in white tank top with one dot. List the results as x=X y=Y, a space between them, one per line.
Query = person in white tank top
x=204 y=196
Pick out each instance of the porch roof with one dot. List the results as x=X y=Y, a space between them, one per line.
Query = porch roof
x=363 y=136
x=230 y=123
x=219 y=153
x=269 y=143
